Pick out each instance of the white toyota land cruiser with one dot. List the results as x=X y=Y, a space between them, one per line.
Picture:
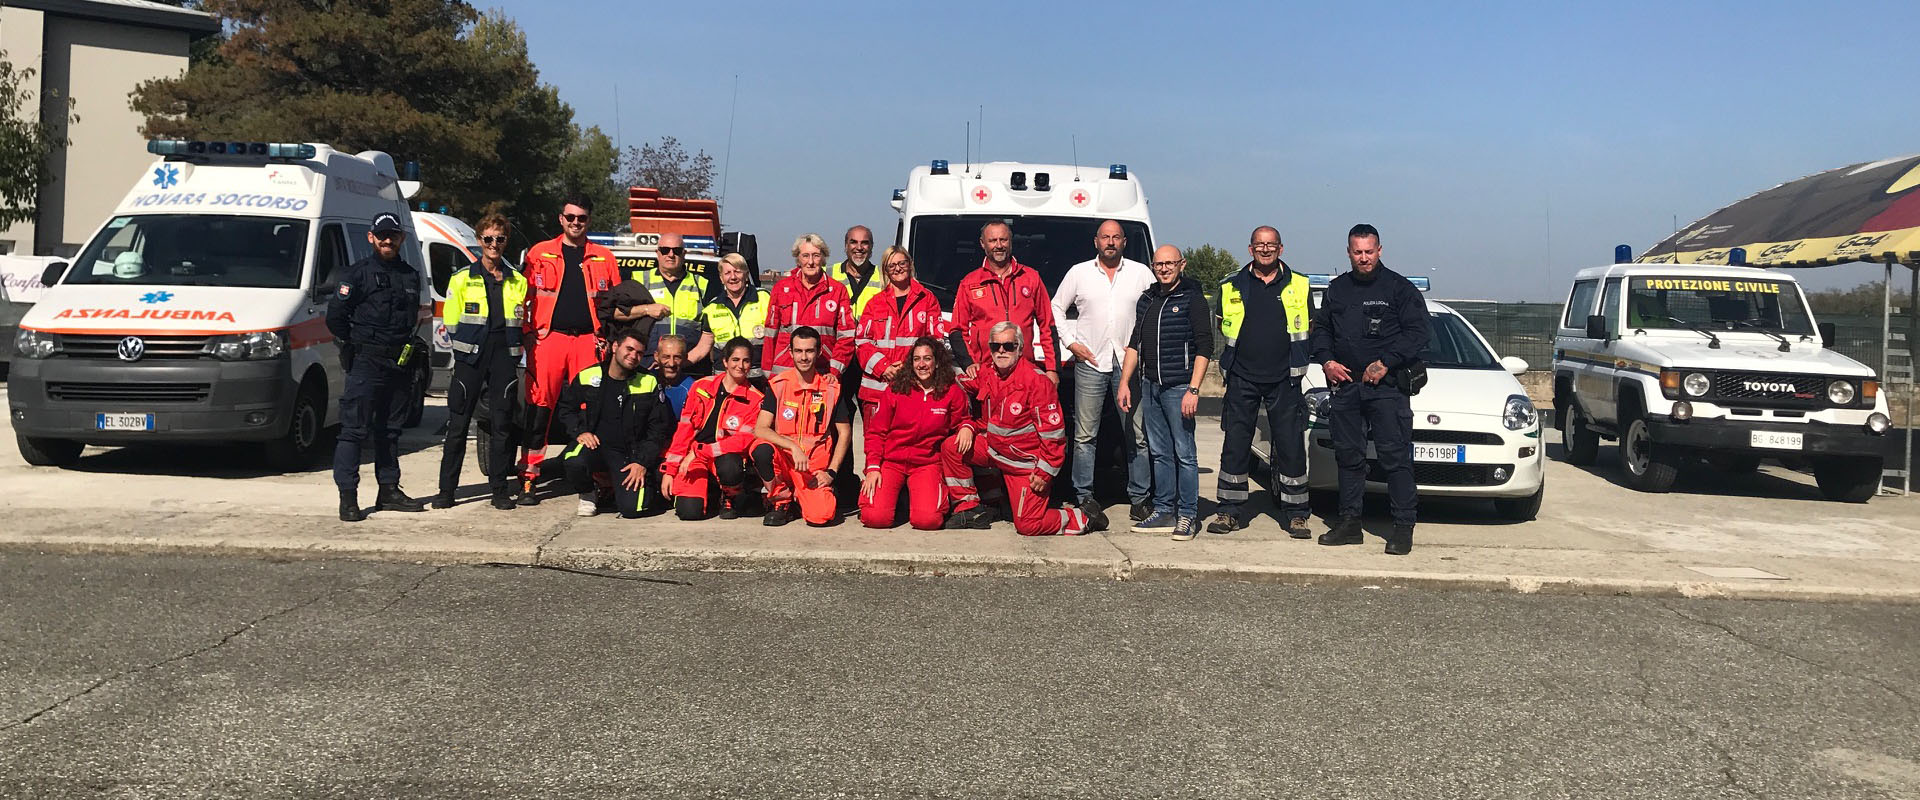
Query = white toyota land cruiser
x=1680 y=361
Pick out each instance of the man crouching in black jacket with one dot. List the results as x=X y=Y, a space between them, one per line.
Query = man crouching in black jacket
x=620 y=424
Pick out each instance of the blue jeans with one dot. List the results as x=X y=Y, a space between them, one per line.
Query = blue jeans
x=1092 y=391
x=1170 y=438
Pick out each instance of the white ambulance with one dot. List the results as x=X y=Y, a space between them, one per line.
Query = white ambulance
x=1053 y=210
x=197 y=312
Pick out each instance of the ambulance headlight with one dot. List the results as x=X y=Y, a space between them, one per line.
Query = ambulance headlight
x=254 y=346
x=35 y=344
x=1320 y=403
x=1519 y=413
x=1840 y=393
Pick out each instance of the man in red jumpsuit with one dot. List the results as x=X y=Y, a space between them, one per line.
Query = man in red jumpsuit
x=1021 y=432
x=807 y=297
x=716 y=430
x=1002 y=290
x=804 y=432
x=567 y=274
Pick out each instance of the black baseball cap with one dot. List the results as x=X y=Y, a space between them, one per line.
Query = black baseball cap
x=388 y=223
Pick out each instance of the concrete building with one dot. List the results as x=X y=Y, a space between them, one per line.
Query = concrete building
x=96 y=52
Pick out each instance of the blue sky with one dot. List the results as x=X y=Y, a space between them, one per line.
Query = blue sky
x=1498 y=147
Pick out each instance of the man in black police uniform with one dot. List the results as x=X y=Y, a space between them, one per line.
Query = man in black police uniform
x=372 y=317
x=1372 y=323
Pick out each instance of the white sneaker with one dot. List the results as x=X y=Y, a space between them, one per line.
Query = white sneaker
x=587 y=508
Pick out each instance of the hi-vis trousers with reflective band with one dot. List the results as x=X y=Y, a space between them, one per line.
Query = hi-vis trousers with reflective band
x=1286 y=442
x=552 y=363
x=1031 y=517
x=581 y=464
x=693 y=488
x=789 y=483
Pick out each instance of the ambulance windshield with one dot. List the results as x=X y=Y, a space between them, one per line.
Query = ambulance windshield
x=195 y=250
x=946 y=248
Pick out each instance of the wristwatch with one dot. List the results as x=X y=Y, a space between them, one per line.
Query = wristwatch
x=1193 y=390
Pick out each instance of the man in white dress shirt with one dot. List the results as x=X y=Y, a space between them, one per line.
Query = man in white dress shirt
x=1103 y=293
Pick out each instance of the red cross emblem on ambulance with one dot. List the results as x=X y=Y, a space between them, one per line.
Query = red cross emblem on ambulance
x=981 y=195
x=1079 y=198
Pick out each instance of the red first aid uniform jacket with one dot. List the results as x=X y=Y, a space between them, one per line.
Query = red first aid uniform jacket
x=544 y=269
x=887 y=331
x=1020 y=421
x=984 y=300
x=733 y=433
x=826 y=307
x=908 y=429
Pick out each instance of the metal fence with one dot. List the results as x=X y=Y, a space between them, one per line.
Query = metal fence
x=1515 y=329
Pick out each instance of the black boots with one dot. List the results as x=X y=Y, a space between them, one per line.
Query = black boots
x=1401 y=542
x=350 y=508
x=392 y=499
x=1345 y=530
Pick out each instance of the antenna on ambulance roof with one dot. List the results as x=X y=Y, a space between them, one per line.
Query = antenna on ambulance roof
x=1076 y=158
x=969 y=146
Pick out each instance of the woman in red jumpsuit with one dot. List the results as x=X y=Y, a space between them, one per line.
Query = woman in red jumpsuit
x=921 y=409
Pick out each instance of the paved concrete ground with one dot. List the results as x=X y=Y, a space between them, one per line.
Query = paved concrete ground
x=1594 y=535
x=144 y=676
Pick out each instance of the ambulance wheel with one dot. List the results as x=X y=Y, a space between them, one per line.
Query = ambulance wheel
x=47 y=452
x=1580 y=443
x=1650 y=467
x=417 y=392
x=1848 y=480
x=299 y=447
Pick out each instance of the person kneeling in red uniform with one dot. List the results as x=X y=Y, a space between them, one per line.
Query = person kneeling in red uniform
x=1024 y=437
x=716 y=430
x=922 y=409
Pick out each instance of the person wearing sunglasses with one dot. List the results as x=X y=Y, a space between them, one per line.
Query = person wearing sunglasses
x=373 y=316
x=675 y=300
x=1021 y=431
x=485 y=313
x=568 y=274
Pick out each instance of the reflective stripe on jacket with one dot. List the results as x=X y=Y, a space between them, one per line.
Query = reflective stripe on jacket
x=824 y=307
x=466 y=310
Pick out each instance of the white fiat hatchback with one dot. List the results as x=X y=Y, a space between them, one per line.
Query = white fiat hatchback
x=1475 y=430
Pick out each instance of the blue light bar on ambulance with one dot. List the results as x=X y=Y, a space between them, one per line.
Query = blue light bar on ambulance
x=181 y=148
x=939 y=167
x=1117 y=172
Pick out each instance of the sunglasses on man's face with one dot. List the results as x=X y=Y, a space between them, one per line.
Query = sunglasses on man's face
x=1003 y=347
x=575 y=217
x=670 y=251
x=389 y=236
x=493 y=240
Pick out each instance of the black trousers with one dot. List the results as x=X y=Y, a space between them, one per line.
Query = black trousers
x=1383 y=415
x=1286 y=444
x=582 y=462
x=493 y=377
x=372 y=406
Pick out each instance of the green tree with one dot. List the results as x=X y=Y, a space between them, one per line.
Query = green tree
x=24 y=145
x=587 y=167
x=668 y=166
x=1209 y=265
x=432 y=81
x=1867 y=298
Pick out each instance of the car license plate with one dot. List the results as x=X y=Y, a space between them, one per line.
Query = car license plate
x=1440 y=452
x=1774 y=440
x=124 y=422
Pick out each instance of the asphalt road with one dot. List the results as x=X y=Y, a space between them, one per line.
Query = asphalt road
x=137 y=677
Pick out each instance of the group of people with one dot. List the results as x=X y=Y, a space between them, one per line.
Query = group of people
x=730 y=399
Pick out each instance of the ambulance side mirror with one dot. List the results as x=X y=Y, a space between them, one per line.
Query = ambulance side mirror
x=53 y=273
x=1596 y=327
x=1828 y=333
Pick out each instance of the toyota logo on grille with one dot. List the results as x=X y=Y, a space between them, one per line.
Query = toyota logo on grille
x=1767 y=386
x=132 y=348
